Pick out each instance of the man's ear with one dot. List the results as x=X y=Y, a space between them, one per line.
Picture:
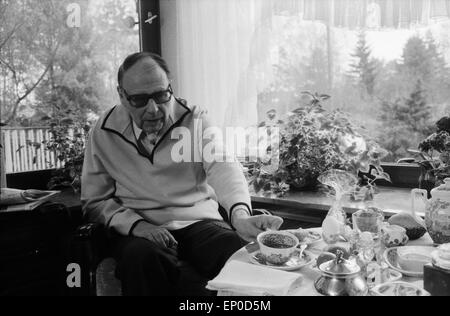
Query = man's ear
x=119 y=91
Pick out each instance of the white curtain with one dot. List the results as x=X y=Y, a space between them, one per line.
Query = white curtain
x=214 y=48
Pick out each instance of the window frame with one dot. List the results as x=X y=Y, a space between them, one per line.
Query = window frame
x=149 y=33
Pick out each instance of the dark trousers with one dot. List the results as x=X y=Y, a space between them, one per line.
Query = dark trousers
x=148 y=269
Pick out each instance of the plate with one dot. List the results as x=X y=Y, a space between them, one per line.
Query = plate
x=305 y=236
x=294 y=263
x=398 y=288
x=394 y=260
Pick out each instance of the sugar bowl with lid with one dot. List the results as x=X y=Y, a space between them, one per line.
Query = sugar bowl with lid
x=341 y=277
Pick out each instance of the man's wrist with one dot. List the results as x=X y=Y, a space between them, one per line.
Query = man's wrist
x=239 y=212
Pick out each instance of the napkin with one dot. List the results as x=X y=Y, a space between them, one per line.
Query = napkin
x=245 y=278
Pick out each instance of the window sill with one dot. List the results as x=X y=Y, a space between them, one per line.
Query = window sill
x=312 y=207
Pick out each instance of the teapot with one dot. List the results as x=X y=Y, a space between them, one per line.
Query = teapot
x=341 y=277
x=437 y=211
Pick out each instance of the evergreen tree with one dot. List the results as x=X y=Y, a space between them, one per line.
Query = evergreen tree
x=420 y=84
x=440 y=66
x=405 y=122
x=439 y=84
x=417 y=113
x=415 y=59
x=422 y=60
x=365 y=67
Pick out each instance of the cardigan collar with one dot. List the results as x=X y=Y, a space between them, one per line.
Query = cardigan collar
x=119 y=122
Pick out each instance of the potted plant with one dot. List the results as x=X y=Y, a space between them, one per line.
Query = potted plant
x=434 y=153
x=68 y=136
x=312 y=141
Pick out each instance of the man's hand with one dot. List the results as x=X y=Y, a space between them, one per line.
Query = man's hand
x=248 y=227
x=158 y=235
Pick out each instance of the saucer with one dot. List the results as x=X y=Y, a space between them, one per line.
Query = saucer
x=294 y=263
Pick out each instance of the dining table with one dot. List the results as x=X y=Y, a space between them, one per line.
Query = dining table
x=310 y=273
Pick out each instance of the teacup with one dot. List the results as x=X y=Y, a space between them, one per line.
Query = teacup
x=277 y=247
x=393 y=235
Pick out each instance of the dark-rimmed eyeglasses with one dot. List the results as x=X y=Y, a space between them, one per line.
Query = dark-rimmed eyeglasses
x=141 y=100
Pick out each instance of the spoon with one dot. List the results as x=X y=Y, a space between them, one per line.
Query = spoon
x=302 y=248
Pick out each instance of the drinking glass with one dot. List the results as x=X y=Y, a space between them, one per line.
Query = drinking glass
x=368 y=221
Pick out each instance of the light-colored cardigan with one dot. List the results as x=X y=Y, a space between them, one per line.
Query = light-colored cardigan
x=121 y=186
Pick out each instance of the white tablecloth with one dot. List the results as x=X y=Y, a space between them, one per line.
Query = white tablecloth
x=311 y=274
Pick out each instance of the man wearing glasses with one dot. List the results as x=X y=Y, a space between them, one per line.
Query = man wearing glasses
x=159 y=210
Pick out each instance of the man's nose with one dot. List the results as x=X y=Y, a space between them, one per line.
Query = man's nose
x=152 y=107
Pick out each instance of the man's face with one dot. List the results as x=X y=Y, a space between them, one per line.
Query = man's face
x=146 y=77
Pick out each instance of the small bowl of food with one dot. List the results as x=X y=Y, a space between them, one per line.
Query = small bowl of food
x=409 y=260
x=277 y=247
x=306 y=236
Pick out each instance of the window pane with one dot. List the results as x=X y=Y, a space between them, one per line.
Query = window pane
x=58 y=66
x=386 y=63
x=62 y=54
